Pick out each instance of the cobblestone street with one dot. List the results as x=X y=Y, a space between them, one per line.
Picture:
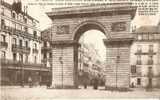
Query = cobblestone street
x=41 y=93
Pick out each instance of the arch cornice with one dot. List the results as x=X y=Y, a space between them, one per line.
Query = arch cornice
x=100 y=27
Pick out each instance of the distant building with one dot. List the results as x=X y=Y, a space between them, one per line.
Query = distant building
x=88 y=62
x=145 y=57
x=46 y=49
x=20 y=46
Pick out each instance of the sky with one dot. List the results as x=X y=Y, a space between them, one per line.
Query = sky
x=97 y=40
x=37 y=9
x=38 y=12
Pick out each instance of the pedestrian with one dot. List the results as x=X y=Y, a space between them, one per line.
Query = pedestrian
x=95 y=83
x=48 y=84
x=85 y=80
x=132 y=85
x=85 y=85
x=30 y=81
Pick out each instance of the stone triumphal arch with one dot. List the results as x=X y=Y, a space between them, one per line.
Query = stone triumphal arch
x=70 y=23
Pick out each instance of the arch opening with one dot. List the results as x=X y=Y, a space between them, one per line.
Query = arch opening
x=90 y=62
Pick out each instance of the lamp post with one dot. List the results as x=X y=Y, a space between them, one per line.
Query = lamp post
x=117 y=62
x=118 y=57
x=61 y=62
x=22 y=70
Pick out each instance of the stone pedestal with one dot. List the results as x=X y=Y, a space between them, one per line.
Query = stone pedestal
x=117 y=68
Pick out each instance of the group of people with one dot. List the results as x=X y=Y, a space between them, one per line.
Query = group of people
x=30 y=83
x=94 y=83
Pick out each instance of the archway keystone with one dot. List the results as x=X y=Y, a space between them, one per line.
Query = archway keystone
x=70 y=23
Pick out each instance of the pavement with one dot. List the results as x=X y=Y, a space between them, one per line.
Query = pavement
x=42 y=93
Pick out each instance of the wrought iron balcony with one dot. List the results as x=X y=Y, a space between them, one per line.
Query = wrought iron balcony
x=22 y=49
x=44 y=60
x=46 y=49
x=139 y=52
x=139 y=62
x=11 y=64
x=150 y=62
x=6 y=28
x=150 y=50
x=3 y=44
x=32 y=64
x=7 y=62
x=19 y=32
x=35 y=50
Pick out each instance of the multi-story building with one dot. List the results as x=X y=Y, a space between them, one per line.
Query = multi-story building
x=89 y=64
x=46 y=50
x=46 y=47
x=20 y=46
x=145 y=57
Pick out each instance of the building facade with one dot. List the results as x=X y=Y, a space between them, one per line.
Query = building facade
x=46 y=47
x=46 y=50
x=20 y=46
x=145 y=55
x=89 y=64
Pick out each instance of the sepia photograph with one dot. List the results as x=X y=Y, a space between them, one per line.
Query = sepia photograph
x=79 y=49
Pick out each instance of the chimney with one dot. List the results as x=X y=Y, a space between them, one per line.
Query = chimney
x=14 y=5
x=158 y=26
x=26 y=10
x=19 y=6
x=134 y=28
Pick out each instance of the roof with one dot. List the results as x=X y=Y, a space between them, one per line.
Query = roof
x=9 y=6
x=93 y=9
x=148 y=29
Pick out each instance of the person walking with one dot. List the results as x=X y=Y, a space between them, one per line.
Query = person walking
x=85 y=80
x=95 y=83
x=30 y=81
x=48 y=84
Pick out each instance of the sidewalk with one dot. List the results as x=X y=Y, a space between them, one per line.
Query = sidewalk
x=42 y=93
x=26 y=86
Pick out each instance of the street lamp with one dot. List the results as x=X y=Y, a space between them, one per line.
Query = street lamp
x=22 y=70
x=61 y=61
x=117 y=61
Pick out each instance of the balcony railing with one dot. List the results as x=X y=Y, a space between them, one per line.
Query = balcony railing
x=139 y=51
x=35 y=50
x=22 y=49
x=6 y=63
x=46 y=49
x=139 y=62
x=150 y=50
x=6 y=28
x=3 y=44
x=44 y=60
x=19 y=32
x=150 y=62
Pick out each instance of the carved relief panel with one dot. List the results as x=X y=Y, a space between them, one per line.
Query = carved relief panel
x=63 y=29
